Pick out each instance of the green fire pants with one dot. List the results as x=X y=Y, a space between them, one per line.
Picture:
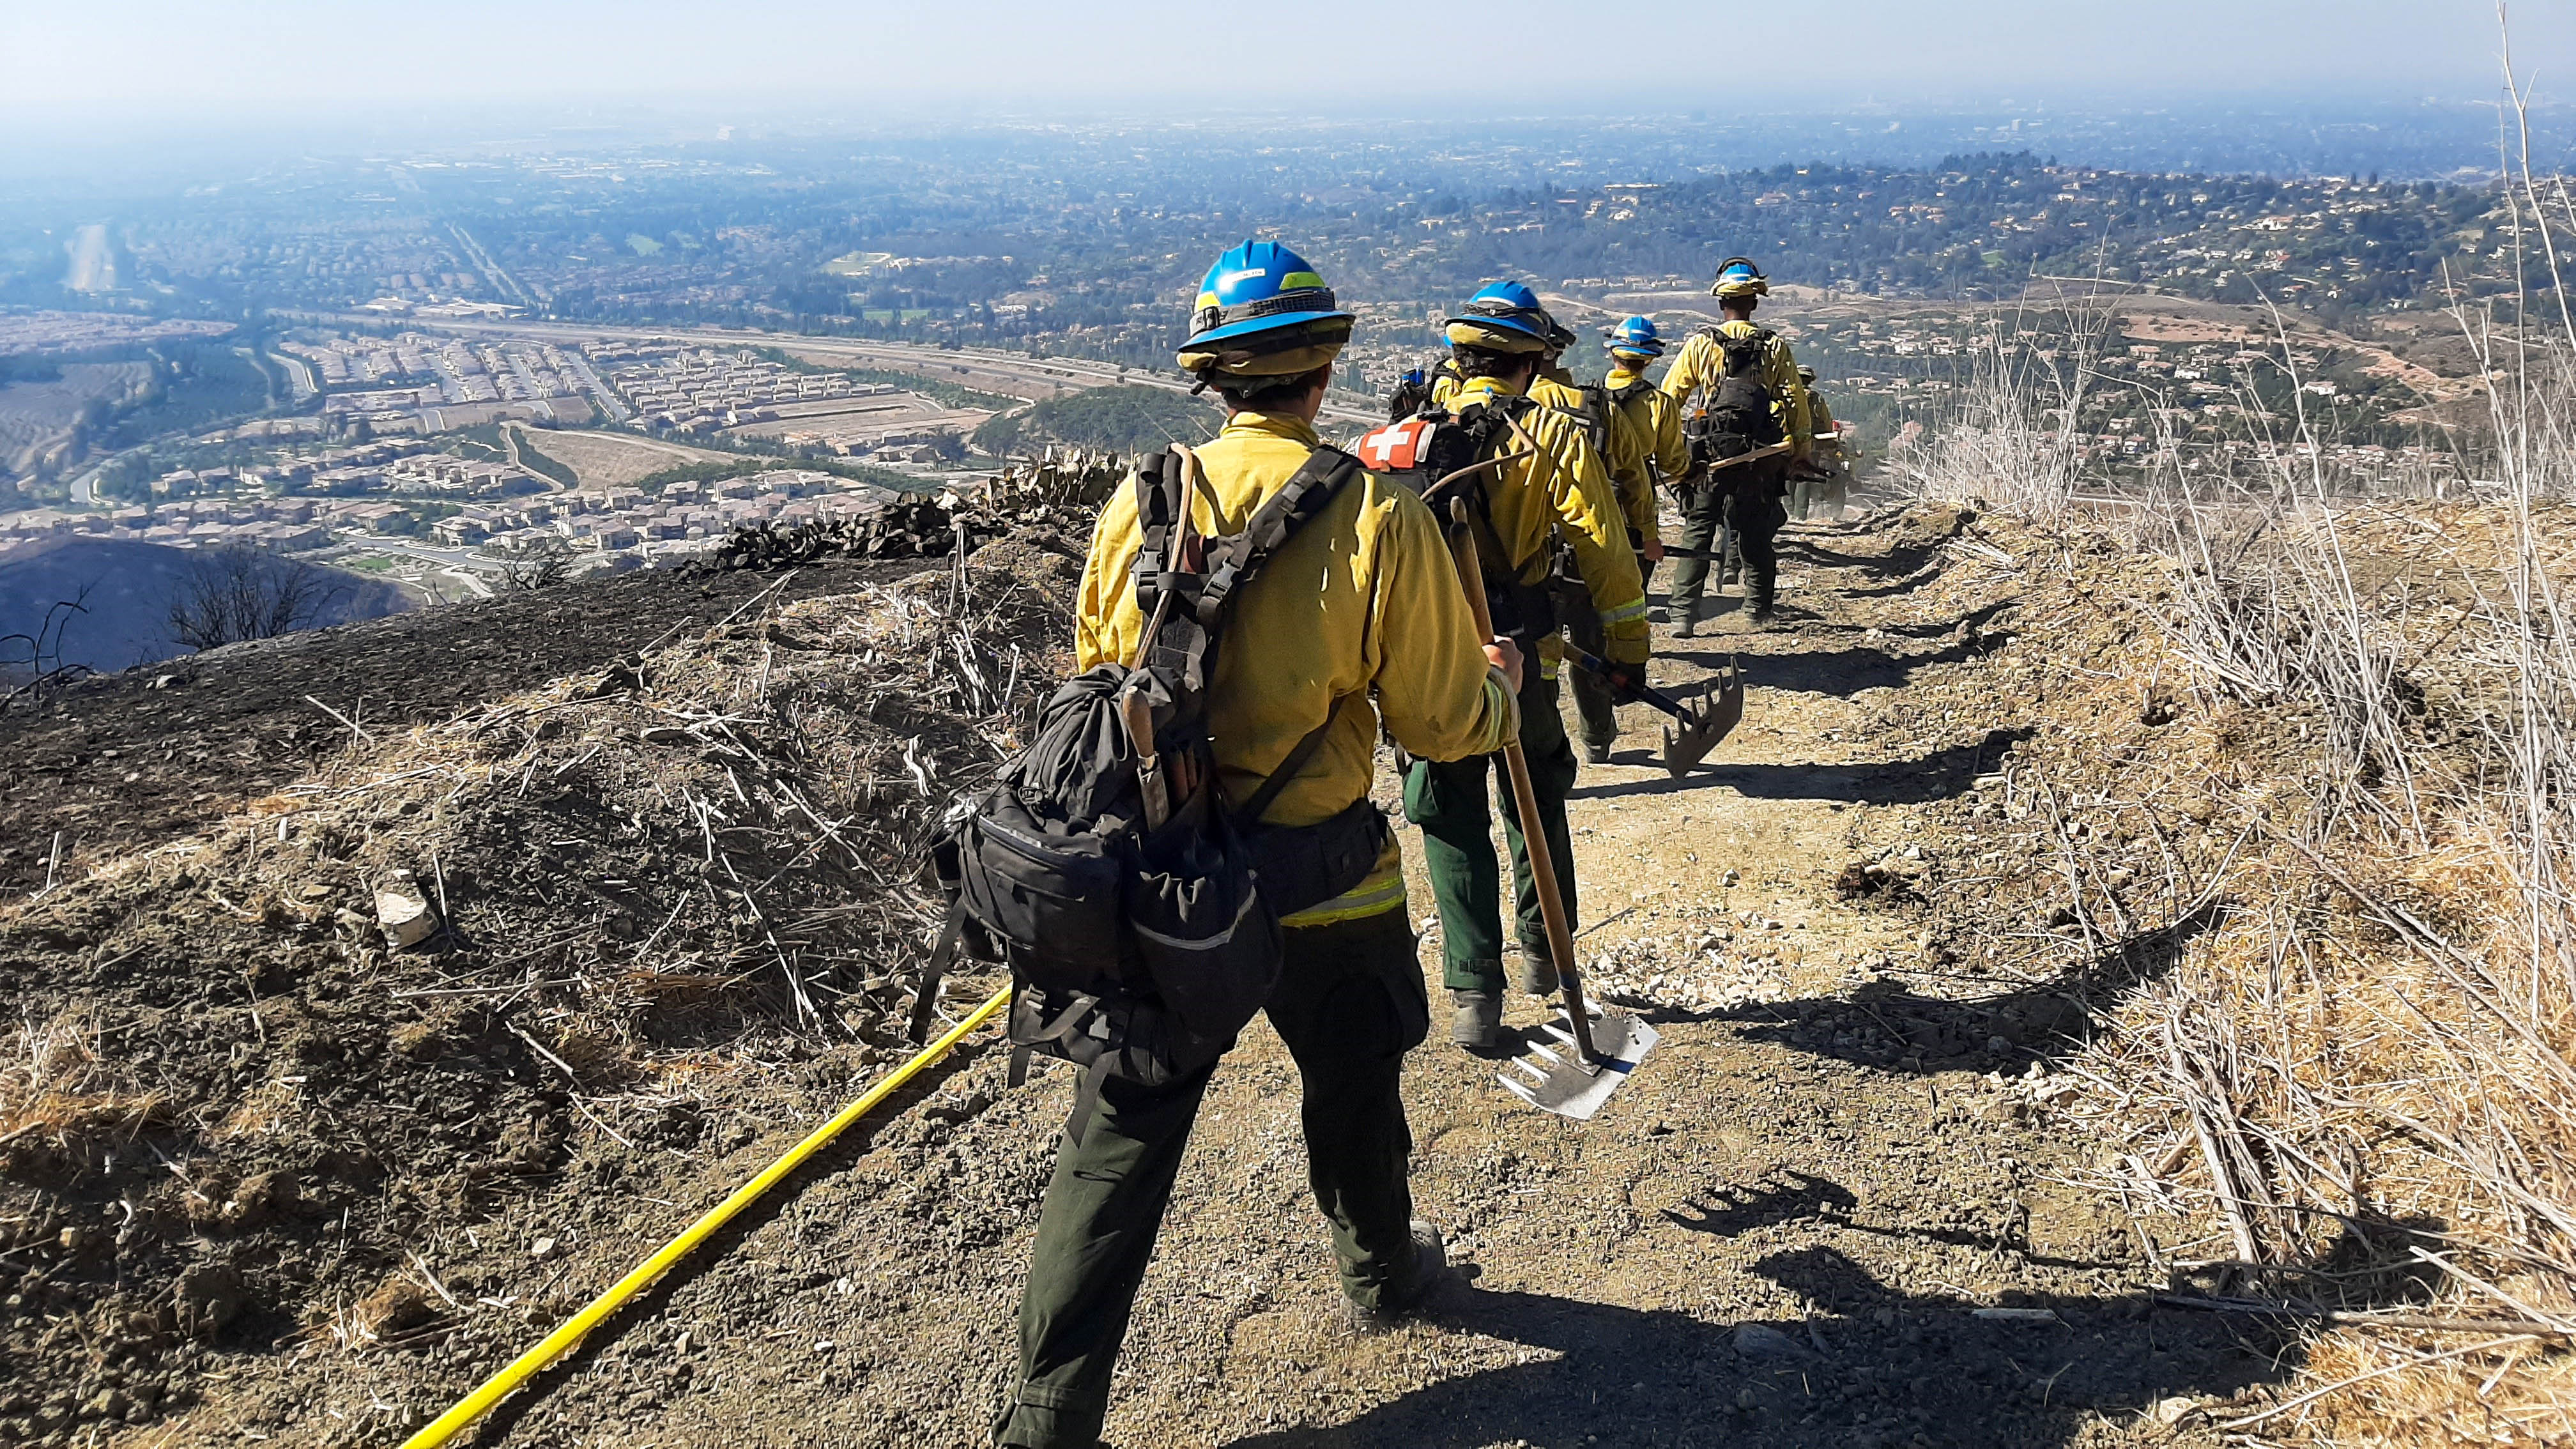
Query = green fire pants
x=1592 y=705
x=1591 y=697
x=1349 y=1004
x=1810 y=496
x=1448 y=800
x=1754 y=514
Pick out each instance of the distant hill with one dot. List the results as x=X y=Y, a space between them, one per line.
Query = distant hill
x=130 y=587
x=1119 y=419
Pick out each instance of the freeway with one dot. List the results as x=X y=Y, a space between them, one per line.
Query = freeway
x=1040 y=376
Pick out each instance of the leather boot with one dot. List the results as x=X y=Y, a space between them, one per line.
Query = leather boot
x=1401 y=1299
x=1532 y=970
x=1479 y=1021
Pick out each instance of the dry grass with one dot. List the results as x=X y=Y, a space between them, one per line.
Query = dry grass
x=2002 y=447
x=2360 y=1073
x=59 y=1097
x=2359 y=818
x=2371 y=1058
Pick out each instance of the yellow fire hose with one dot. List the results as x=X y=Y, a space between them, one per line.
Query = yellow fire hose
x=574 y=1329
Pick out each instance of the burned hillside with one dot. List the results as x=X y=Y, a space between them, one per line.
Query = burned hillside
x=242 y=1088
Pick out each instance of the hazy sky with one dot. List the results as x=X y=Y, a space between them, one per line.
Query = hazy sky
x=214 y=58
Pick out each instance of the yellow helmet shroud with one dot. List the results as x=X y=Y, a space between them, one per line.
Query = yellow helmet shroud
x=1304 y=350
x=1492 y=339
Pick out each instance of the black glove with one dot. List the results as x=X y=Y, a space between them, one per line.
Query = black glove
x=1627 y=682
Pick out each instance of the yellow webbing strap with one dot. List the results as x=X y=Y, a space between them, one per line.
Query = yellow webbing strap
x=474 y=1405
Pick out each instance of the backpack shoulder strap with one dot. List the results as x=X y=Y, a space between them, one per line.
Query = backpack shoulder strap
x=1492 y=559
x=1304 y=750
x=1236 y=560
x=1158 y=511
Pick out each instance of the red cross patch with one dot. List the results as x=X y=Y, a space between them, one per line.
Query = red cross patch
x=1397 y=447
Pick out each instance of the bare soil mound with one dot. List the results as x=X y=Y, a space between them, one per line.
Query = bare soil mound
x=610 y=460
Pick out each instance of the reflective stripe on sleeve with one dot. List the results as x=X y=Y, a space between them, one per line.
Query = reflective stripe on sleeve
x=1383 y=891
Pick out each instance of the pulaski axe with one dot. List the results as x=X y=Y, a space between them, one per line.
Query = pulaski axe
x=1697 y=730
x=1589 y=1059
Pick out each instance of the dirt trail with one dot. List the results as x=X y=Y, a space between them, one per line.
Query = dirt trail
x=1781 y=1233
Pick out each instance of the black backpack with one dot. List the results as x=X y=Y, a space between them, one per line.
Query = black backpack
x=1596 y=417
x=1141 y=951
x=1412 y=395
x=1419 y=451
x=1739 y=416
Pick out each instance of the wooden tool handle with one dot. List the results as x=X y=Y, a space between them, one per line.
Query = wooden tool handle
x=1756 y=456
x=1140 y=724
x=1542 y=856
x=1153 y=787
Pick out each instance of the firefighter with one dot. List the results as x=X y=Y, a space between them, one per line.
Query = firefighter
x=1748 y=395
x=1647 y=450
x=1559 y=491
x=1359 y=624
x=1825 y=479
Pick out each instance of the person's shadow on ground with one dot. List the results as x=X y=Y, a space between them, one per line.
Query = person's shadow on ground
x=1871 y=1367
x=1941 y=774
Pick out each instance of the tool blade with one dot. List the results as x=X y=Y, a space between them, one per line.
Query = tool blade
x=1719 y=709
x=1576 y=1089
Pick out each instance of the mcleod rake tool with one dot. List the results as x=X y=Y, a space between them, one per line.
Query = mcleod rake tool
x=1719 y=711
x=1588 y=1059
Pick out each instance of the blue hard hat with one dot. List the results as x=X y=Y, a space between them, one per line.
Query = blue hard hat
x=1637 y=335
x=1739 y=277
x=1510 y=306
x=1259 y=286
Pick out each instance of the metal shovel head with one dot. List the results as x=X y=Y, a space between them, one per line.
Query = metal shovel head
x=1719 y=710
x=1553 y=1076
